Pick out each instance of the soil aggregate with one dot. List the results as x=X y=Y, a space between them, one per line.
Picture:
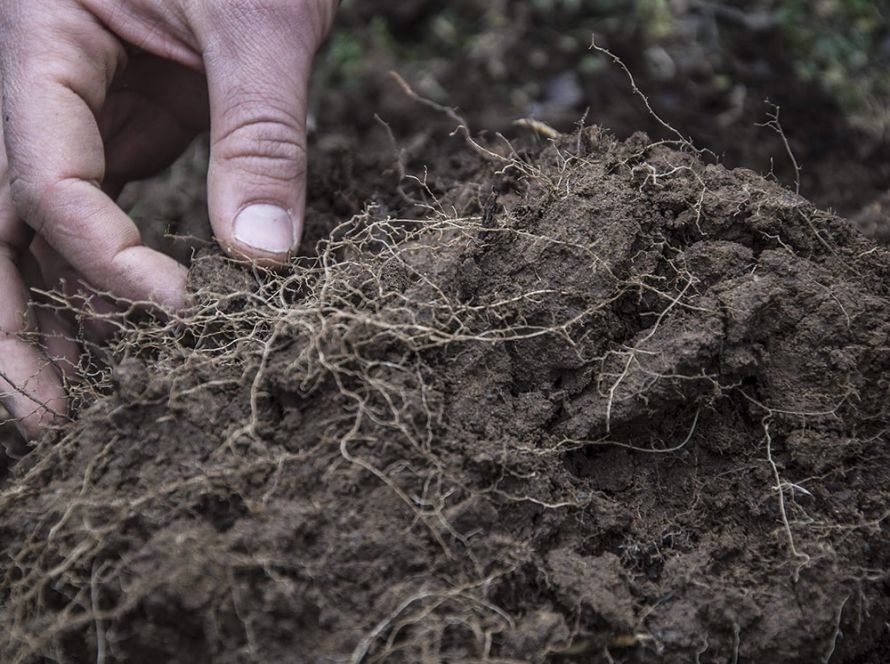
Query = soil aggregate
x=579 y=400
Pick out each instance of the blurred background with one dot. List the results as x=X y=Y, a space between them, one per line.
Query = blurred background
x=708 y=68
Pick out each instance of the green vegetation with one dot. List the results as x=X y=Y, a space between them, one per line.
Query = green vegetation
x=841 y=44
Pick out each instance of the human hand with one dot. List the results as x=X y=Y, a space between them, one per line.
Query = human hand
x=100 y=92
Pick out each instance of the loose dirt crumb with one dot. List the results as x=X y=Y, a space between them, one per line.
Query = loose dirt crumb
x=598 y=401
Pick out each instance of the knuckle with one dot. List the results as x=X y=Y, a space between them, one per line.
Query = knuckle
x=271 y=16
x=24 y=195
x=37 y=200
x=250 y=12
x=28 y=192
x=266 y=144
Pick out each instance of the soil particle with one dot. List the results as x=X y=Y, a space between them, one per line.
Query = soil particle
x=635 y=411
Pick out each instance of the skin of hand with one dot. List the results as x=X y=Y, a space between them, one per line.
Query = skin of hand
x=96 y=93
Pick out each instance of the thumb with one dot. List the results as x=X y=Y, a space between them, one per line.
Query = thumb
x=258 y=69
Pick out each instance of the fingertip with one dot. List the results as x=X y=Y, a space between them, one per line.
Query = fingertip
x=32 y=427
x=43 y=406
x=265 y=228
x=264 y=234
x=143 y=274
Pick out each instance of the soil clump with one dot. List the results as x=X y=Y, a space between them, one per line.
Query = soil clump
x=591 y=400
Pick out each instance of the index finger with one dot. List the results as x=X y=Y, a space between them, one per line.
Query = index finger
x=30 y=387
x=51 y=98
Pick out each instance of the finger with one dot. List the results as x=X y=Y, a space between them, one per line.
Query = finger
x=59 y=345
x=56 y=156
x=93 y=314
x=258 y=57
x=30 y=388
x=56 y=335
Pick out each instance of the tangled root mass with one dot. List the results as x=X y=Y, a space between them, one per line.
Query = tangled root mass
x=596 y=402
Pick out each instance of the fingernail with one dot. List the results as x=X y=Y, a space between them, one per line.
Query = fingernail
x=266 y=227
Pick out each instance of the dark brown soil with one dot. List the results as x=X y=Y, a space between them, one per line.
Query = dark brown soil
x=709 y=75
x=595 y=401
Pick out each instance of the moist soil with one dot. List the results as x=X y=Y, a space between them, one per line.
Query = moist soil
x=571 y=400
x=712 y=71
